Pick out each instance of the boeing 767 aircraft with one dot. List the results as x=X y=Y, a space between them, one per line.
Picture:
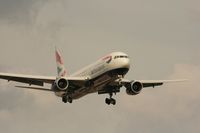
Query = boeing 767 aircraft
x=105 y=76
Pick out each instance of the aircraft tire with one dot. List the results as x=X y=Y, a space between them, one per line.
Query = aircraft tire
x=70 y=100
x=64 y=99
x=113 y=101
x=108 y=101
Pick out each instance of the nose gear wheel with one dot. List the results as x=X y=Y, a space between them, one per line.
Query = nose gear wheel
x=66 y=99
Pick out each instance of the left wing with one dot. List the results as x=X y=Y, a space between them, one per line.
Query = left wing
x=114 y=87
x=151 y=83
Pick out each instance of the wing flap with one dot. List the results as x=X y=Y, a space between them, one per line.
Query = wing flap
x=34 y=88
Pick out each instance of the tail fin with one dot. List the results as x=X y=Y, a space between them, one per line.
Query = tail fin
x=61 y=71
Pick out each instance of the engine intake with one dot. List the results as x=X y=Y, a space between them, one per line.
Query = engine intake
x=62 y=84
x=134 y=88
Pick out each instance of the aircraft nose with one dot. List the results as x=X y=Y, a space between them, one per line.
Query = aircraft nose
x=123 y=63
x=122 y=66
x=126 y=63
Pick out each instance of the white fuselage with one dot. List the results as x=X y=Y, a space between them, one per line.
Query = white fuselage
x=102 y=72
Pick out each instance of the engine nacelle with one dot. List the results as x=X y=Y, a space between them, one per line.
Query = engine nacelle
x=62 y=84
x=134 y=88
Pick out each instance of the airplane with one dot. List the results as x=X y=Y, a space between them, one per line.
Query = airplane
x=105 y=76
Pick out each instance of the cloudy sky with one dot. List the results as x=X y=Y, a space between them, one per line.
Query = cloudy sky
x=161 y=37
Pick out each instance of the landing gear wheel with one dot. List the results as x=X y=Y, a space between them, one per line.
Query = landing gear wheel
x=113 y=101
x=66 y=99
x=70 y=100
x=108 y=101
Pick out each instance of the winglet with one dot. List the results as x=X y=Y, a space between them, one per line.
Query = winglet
x=61 y=71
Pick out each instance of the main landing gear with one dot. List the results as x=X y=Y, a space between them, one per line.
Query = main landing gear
x=66 y=99
x=110 y=100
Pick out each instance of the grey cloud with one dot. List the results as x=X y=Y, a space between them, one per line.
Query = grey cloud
x=13 y=99
x=18 y=10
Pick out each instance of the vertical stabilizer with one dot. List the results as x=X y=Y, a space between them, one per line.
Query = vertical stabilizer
x=61 y=71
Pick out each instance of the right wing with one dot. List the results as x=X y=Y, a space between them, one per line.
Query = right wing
x=39 y=80
x=29 y=79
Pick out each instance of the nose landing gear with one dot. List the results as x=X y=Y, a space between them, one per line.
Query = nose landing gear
x=66 y=99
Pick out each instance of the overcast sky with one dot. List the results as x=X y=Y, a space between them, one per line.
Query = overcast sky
x=161 y=37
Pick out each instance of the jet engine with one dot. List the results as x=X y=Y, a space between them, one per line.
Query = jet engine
x=134 y=88
x=62 y=84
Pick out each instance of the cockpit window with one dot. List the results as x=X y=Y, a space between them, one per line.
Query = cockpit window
x=120 y=56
